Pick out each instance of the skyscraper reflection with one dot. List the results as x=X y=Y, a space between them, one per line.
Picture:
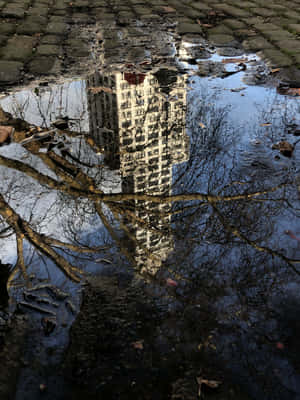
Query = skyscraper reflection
x=139 y=121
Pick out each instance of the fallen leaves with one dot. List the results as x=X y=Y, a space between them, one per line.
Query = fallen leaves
x=3 y=117
x=279 y=346
x=204 y=25
x=210 y=383
x=9 y=212
x=202 y=125
x=285 y=148
x=293 y=92
x=171 y=282
x=43 y=387
x=237 y=90
x=234 y=60
x=90 y=141
x=168 y=9
x=275 y=70
x=139 y=345
x=289 y=89
x=5 y=132
x=49 y=324
x=266 y=124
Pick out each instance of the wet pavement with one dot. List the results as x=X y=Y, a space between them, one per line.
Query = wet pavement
x=58 y=37
x=149 y=206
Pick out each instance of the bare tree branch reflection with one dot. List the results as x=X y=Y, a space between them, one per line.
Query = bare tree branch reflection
x=211 y=202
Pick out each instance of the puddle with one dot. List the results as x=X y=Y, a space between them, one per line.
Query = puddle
x=169 y=175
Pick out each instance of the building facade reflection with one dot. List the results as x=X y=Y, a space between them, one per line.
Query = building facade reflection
x=139 y=121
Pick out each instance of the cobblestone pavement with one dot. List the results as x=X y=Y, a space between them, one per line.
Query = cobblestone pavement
x=59 y=37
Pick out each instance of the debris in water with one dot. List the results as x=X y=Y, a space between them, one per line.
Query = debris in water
x=43 y=387
x=293 y=129
x=171 y=282
x=234 y=60
x=236 y=90
x=139 y=344
x=275 y=70
x=289 y=89
x=5 y=134
x=48 y=324
x=279 y=346
x=210 y=383
x=285 y=148
x=168 y=9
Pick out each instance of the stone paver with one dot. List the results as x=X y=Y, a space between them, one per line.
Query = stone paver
x=10 y=71
x=41 y=37
x=48 y=49
x=18 y=48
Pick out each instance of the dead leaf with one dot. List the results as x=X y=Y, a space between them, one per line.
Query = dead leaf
x=294 y=92
x=210 y=383
x=286 y=148
x=9 y=212
x=204 y=25
x=139 y=344
x=43 y=387
x=234 y=60
x=202 y=125
x=273 y=71
x=237 y=90
x=5 y=132
x=171 y=282
x=100 y=89
x=266 y=124
x=288 y=91
x=168 y=9
x=90 y=141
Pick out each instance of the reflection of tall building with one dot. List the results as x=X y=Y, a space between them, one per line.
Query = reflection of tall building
x=139 y=121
